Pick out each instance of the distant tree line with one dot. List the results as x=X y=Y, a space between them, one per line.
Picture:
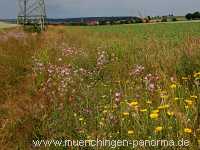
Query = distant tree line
x=105 y=21
x=193 y=16
x=115 y=22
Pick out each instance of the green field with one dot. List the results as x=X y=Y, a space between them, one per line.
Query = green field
x=123 y=82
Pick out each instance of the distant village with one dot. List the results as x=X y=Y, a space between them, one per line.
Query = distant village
x=93 y=21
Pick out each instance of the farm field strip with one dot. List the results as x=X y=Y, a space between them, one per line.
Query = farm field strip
x=6 y=25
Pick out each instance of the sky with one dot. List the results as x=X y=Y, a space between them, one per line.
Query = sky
x=94 y=8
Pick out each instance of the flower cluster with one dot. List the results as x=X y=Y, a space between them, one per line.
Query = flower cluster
x=137 y=70
x=39 y=66
x=69 y=51
x=102 y=58
x=118 y=97
x=151 y=82
x=57 y=77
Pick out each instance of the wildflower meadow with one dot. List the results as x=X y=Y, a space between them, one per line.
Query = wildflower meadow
x=128 y=82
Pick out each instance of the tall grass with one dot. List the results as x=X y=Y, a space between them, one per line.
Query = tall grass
x=111 y=82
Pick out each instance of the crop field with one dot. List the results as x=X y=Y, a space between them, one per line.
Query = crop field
x=123 y=82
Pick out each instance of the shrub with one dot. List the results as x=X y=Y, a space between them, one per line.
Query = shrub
x=174 y=19
x=138 y=20
x=103 y=22
x=32 y=28
x=164 y=19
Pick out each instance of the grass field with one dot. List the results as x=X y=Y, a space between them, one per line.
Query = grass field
x=128 y=82
x=6 y=25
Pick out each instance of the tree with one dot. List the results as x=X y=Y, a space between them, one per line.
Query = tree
x=149 y=17
x=164 y=19
x=189 y=16
x=196 y=15
x=103 y=22
x=174 y=19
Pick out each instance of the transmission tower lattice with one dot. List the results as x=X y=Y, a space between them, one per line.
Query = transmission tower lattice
x=32 y=12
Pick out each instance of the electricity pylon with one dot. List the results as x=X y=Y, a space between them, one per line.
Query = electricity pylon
x=32 y=12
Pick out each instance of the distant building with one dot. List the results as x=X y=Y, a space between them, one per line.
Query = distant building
x=92 y=22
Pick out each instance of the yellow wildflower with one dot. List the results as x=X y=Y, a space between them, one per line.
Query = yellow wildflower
x=164 y=96
x=189 y=102
x=149 y=102
x=105 y=111
x=193 y=96
x=163 y=92
x=158 y=129
x=126 y=113
x=130 y=132
x=154 y=115
x=143 y=110
x=184 y=78
x=163 y=107
x=186 y=107
x=176 y=98
x=170 y=113
x=101 y=123
x=196 y=74
x=81 y=119
x=134 y=103
x=155 y=111
x=188 y=130
x=173 y=86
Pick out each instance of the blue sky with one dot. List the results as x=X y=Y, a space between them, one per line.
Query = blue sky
x=85 y=8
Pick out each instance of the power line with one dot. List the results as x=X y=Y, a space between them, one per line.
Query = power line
x=32 y=12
